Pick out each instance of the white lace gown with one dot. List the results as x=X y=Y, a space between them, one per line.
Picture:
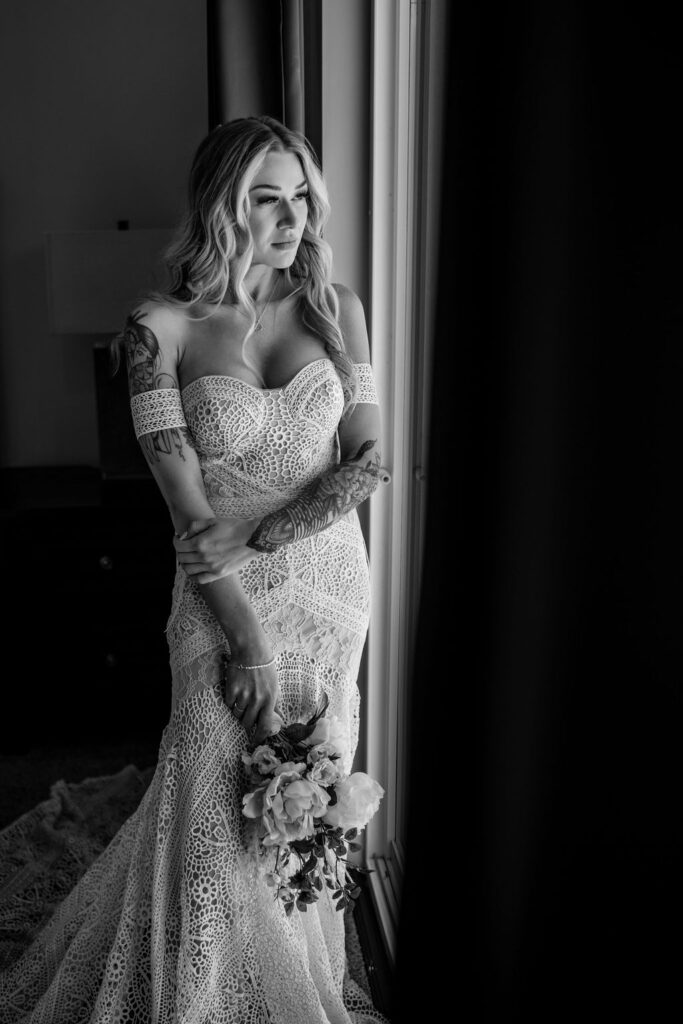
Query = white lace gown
x=173 y=922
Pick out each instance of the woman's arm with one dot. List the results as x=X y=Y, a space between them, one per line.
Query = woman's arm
x=334 y=493
x=215 y=548
x=152 y=340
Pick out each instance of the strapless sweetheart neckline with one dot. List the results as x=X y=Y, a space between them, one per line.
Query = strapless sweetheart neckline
x=261 y=391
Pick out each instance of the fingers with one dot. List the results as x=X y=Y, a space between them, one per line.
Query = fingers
x=186 y=540
x=234 y=689
x=249 y=717
x=208 y=577
x=197 y=526
x=251 y=697
x=239 y=694
x=268 y=723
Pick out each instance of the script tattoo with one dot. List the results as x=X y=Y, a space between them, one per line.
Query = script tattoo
x=143 y=357
x=331 y=496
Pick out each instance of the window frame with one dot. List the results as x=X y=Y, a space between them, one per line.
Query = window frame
x=408 y=66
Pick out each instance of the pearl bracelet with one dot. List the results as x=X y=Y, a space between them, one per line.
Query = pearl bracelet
x=249 y=668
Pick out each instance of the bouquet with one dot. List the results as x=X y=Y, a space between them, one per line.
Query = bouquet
x=307 y=811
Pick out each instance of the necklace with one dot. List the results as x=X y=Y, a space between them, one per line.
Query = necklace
x=258 y=326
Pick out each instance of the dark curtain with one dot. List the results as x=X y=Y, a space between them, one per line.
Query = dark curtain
x=264 y=58
x=545 y=854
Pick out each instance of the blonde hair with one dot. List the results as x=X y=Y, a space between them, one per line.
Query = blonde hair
x=212 y=250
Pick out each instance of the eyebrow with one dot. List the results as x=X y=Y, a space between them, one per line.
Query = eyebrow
x=276 y=188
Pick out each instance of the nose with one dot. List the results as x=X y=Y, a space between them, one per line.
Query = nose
x=287 y=214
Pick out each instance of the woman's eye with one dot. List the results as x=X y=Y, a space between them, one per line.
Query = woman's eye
x=269 y=200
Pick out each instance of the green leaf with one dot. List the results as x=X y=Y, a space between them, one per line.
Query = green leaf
x=351 y=834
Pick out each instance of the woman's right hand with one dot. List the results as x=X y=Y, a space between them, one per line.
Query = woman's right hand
x=210 y=549
x=251 y=695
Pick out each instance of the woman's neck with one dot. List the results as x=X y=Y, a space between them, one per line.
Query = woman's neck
x=262 y=283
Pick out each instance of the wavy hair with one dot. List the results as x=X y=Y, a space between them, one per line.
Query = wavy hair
x=212 y=250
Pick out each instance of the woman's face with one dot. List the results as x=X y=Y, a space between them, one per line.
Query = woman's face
x=279 y=209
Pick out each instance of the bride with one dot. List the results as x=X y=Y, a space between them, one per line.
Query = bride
x=253 y=400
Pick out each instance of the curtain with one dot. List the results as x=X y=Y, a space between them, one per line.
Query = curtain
x=545 y=853
x=264 y=58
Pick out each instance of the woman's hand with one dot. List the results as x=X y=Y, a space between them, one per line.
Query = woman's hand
x=213 y=548
x=251 y=694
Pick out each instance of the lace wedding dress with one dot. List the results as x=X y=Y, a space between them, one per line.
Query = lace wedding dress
x=173 y=921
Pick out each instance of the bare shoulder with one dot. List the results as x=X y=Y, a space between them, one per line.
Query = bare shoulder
x=352 y=324
x=167 y=322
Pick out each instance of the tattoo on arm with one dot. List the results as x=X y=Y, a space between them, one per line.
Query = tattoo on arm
x=143 y=357
x=331 y=496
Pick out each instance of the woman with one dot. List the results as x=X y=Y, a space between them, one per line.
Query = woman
x=252 y=397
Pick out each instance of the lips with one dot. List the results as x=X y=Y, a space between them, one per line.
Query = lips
x=289 y=243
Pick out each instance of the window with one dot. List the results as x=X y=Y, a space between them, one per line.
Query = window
x=408 y=62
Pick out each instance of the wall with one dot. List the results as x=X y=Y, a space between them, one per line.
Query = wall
x=346 y=106
x=104 y=104
x=345 y=153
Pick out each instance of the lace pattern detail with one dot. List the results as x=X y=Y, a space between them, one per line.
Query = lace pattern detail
x=160 y=409
x=259 y=449
x=367 y=391
x=178 y=886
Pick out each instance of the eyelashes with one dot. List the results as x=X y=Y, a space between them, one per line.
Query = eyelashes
x=270 y=200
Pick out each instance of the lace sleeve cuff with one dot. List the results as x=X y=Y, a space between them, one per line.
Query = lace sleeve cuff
x=366 y=391
x=160 y=409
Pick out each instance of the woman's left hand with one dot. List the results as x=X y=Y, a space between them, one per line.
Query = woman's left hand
x=213 y=548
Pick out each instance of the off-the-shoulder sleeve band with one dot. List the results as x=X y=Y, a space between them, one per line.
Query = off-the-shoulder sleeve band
x=366 y=390
x=160 y=409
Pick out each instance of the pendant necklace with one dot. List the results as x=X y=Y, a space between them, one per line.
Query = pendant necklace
x=258 y=326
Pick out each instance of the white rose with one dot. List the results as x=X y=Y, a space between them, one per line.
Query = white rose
x=252 y=803
x=287 y=806
x=358 y=798
x=330 y=733
x=263 y=759
x=290 y=768
x=325 y=772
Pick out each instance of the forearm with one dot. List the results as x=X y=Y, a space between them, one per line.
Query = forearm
x=187 y=502
x=330 y=497
x=225 y=597
x=236 y=616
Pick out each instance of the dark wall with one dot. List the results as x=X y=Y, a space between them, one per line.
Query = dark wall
x=102 y=107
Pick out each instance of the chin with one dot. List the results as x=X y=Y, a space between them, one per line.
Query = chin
x=284 y=259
